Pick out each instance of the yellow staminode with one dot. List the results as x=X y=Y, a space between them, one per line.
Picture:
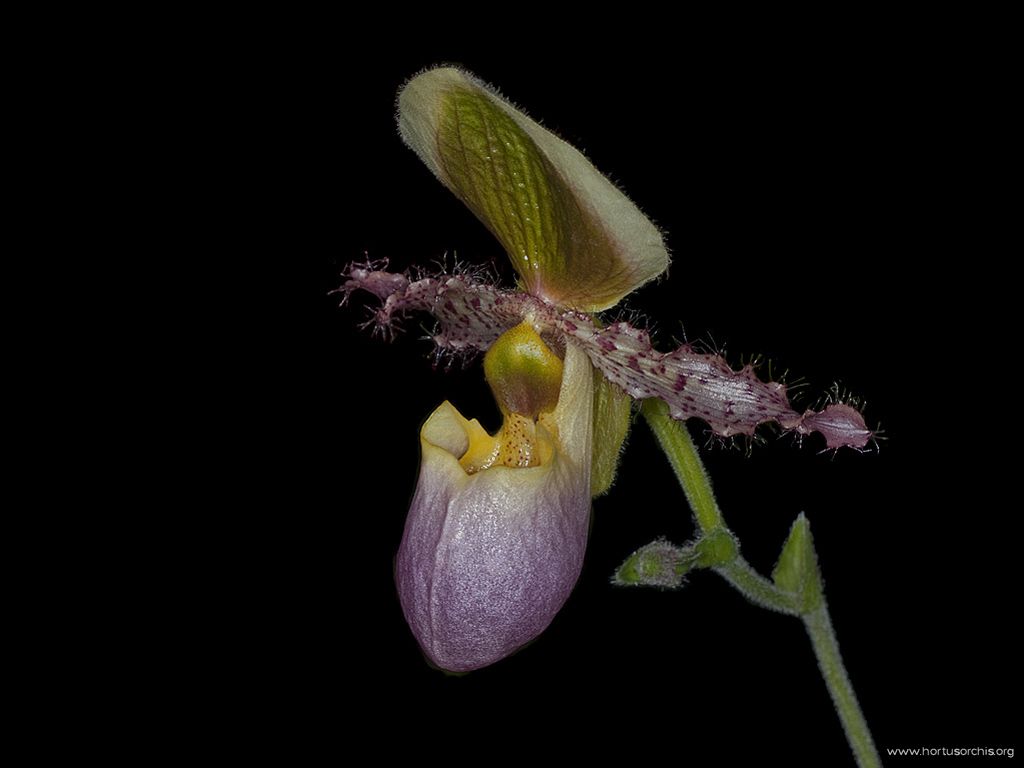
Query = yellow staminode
x=524 y=374
x=526 y=377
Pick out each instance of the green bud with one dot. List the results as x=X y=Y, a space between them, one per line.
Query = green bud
x=658 y=564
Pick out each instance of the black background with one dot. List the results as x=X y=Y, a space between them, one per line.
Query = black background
x=816 y=200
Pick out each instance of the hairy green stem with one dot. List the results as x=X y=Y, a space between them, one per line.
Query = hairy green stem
x=682 y=455
x=756 y=588
x=830 y=662
x=675 y=441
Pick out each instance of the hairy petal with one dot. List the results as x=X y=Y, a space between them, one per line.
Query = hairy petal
x=471 y=314
x=694 y=385
x=704 y=386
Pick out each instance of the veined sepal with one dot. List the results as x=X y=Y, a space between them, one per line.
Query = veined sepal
x=573 y=237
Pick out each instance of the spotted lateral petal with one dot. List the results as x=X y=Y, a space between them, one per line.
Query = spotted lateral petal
x=472 y=315
x=704 y=386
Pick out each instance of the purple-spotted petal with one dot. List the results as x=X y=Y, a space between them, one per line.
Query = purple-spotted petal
x=694 y=385
x=488 y=559
x=704 y=386
x=471 y=314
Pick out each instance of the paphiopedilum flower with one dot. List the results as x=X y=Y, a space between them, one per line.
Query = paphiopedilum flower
x=495 y=537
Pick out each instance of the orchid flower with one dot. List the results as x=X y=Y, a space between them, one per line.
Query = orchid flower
x=496 y=533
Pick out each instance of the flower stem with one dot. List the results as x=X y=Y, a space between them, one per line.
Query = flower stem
x=830 y=662
x=682 y=455
x=756 y=588
x=677 y=445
